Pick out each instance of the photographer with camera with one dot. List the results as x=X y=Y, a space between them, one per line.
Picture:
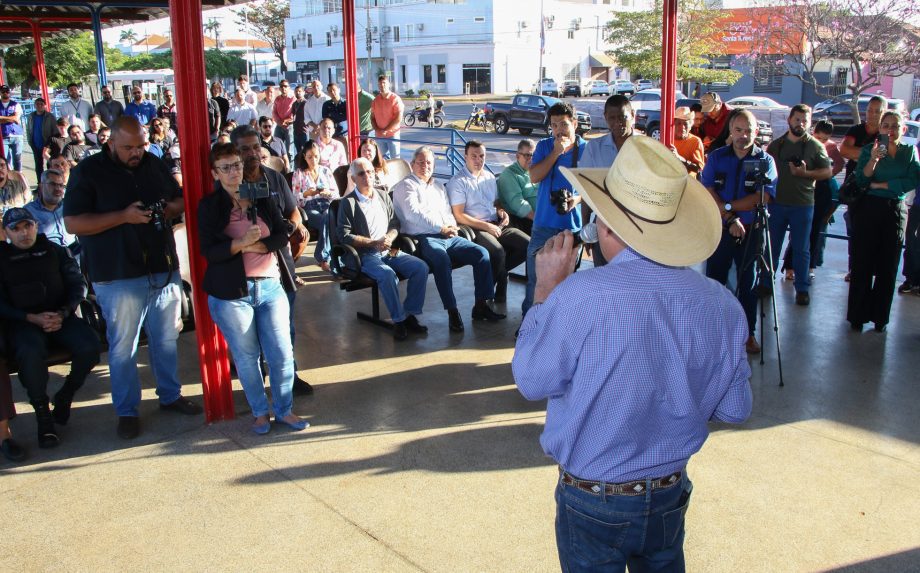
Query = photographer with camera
x=556 y=201
x=242 y=232
x=119 y=203
x=801 y=161
x=249 y=144
x=733 y=175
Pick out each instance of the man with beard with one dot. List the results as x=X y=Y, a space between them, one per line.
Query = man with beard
x=249 y=143
x=40 y=126
x=76 y=109
x=11 y=128
x=800 y=160
x=601 y=151
x=140 y=108
x=132 y=264
x=91 y=133
x=109 y=108
x=168 y=109
x=334 y=108
x=77 y=146
x=46 y=208
x=58 y=140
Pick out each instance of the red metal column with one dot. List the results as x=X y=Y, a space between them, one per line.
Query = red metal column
x=668 y=69
x=351 y=77
x=194 y=143
x=2 y=149
x=40 y=61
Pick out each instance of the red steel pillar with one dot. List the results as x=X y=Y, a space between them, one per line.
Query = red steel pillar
x=2 y=149
x=194 y=143
x=40 y=61
x=351 y=78
x=668 y=69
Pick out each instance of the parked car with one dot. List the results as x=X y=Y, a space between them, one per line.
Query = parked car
x=597 y=87
x=644 y=85
x=649 y=122
x=755 y=101
x=526 y=113
x=911 y=133
x=650 y=99
x=841 y=114
x=546 y=86
x=624 y=87
x=571 y=88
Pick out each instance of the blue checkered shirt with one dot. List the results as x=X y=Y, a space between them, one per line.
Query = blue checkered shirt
x=635 y=358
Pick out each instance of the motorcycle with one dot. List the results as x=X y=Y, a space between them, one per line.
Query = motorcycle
x=478 y=119
x=420 y=115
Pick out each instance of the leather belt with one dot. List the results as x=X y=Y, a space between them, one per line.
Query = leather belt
x=637 y=487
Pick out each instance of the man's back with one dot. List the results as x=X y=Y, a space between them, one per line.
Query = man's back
x=652 y=355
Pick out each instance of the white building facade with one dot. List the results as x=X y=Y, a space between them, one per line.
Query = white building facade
x=457 y=46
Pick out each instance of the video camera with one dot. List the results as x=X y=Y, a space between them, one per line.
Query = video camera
x=253 y=191
x=756 y=174
x=560 y=200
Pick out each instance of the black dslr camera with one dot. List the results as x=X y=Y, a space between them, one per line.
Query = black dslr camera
x=253 y=191
x=560 y=200
x=158 y=215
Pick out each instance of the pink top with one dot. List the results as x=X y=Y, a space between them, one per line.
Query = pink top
x=281 y=109
x=834 y=153
x=256 y=264
x=331 y=154
x=386 y=108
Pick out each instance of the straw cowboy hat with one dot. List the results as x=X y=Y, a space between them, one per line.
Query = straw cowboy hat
x=683 y=113
x=649 y=201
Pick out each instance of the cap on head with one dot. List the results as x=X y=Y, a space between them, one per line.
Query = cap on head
x=17 y=215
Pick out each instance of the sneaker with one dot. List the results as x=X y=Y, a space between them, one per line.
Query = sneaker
x=802 y=298
x=301 y=387
x=751 y=345
x=12 y=450
x=484 y=312
x=183 y=406
x=414 y=325
x=61 y=412
x=399 y=331
x=129 y=427
x=905 y=287
x=501 y=292
x=454 y=322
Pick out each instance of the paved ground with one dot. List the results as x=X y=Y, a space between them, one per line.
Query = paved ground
x=424 y=457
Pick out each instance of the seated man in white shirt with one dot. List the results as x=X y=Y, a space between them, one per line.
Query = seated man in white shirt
x=424 y=212
x=474 y=201
x=331 y=151
x=367 y=222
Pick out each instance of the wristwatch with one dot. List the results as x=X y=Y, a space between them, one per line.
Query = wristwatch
x=728 y=207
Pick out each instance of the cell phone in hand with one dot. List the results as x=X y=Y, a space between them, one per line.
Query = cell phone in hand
x=883 y=140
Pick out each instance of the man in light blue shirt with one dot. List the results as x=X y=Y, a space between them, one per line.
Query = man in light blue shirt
x=474 y=202
x=601 y=151
x=634 y=373
x=46 y=208
x=424 y=212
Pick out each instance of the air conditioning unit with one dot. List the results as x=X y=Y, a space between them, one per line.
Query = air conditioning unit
x=386 y=29
x=374 y=29
x=419 y=27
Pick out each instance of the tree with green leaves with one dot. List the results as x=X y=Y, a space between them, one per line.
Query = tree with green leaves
x=217 y=63
x=870 y=40
x=266 y=22
x=127 y=36
x=68 y=58
x=636 y=41
x=213 y=26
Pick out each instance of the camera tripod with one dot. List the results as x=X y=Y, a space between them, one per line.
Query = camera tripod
x=759 y=253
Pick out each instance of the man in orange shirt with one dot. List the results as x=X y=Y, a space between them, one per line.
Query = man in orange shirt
x=687 y=147
x=386 y=117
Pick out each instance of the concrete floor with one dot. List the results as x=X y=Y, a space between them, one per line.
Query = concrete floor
x=424 y=457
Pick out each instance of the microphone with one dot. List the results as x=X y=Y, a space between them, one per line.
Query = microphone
x=587 y=235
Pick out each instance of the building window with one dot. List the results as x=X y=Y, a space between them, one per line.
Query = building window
x=309 y=40
x=409 y=31
x=426 y=74
x=328 y=38
x=720 y=63
x=479 y=19
x=402 y=73
x=450 y=21
x=767 y=74
x=332 y=6
x=294 y=42
x=395 y=33
x=442 y=74
x=571 y=33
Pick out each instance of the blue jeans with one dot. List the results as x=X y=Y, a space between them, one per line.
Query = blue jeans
x=796 y=218
x=441 y=253
x=718 y=265
x=286 y=135
x=319 y=220
x=597 y=532
x=12 y=149
x=252 y=325
x=538 y=238
x=383 y=268
x=389 y=148
x=127 y=305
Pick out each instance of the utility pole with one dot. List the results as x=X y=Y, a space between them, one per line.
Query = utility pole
x=542 y=47
x=370 y=45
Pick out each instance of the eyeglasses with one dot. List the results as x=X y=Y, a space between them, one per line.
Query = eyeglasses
x=528 y=155
x=55 y=185
x=230 y=167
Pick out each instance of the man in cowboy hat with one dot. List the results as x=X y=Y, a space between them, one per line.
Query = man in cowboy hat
x=688 y=147
x=634 y=371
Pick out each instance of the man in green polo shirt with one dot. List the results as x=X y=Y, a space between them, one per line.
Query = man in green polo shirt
x=365 y=99
x=516 y=193
x=801 y=161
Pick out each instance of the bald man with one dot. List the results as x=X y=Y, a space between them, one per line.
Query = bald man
x=119 y=203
